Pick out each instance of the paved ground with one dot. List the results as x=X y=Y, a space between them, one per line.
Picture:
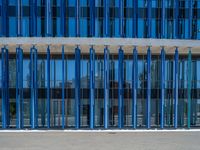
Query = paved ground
x=58 y=140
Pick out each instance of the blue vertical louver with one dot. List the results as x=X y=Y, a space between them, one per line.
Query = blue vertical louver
x=77 y=15
x=176 y=20
x=48 y=88
x=121 y=18
x=134 y=87
x=163 y=20
x=106 y=18
x=33 y=18
x=92 y=87
x=135 y=18
x=194 y=85
x=92 y=18
x=77 y=87
x=149 y=18
x=5 y=87
x=176 y=57
x=190 y=15
x=48 y=18
x=63 y=17
x=148 y=100
x=19 y=17
x=63 y=87
x=33 y=87
x=106 y=87
x=19 y=88
x=162 y=87
x=189 y=87
x=121 y=88
x=4 y=15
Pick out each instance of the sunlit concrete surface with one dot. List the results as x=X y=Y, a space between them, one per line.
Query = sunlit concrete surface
x=106 y=140
x=99 y=44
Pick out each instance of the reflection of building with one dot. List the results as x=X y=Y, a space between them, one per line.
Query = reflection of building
x=80 y=64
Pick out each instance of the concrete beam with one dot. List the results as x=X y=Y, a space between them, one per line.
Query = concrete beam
x=99 y=43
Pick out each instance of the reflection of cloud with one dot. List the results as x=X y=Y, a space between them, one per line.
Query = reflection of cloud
x=99 y=83
x=68 y=84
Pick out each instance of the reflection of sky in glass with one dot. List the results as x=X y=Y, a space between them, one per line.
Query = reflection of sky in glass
x=84 y=68
x=99 y=66
x=70 y=70
x=128 y=70
x=26 y=72
x=183 y=73
x=58 y=69
x=56 y=72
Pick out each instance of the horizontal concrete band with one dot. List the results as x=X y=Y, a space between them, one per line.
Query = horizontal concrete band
x=99 y=43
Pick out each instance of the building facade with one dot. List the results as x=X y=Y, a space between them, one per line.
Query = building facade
x=100 y=64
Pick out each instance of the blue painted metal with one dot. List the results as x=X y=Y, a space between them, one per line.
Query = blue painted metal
x=77 y=13
x=48 y=87
x=32 y=108
x=162 y=87
x=135 y=18
x=33 y=18
x=190 y=19
x=34 y=92
x=5 y=87
x=54 y=86
x=176 y=13
x=121 y=88
x=176 y=57
x=121 y=18
x=148 y=102
x=36 y=88
x=149 y=9
x=194 y=103
x=106 y=17
x=19 y=17
x=4 y=14
x=19 y=88
x=43 y=102
x=92 y=18
x=189 y=86
x=134 y=87
x=92 y=87
x=77 y=87
x=48 y=18
x=63 y=87
x=63 y=17
x=106 y=87
x=163 y=20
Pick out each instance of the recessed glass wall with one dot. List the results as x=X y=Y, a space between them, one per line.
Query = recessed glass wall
x=69 y=88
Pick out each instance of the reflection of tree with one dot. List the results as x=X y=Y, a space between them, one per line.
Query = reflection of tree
x=142 y=80
x=40 y=74
x=12 y=109
x=154 y=76
x=12 y=73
